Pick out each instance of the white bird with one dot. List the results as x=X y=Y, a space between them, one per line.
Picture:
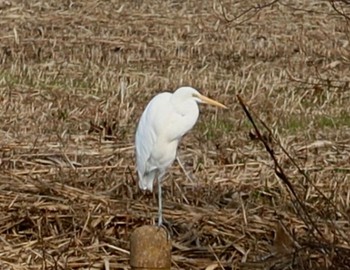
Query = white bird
x=165 y=120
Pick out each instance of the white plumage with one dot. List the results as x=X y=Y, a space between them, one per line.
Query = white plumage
x=165 y=120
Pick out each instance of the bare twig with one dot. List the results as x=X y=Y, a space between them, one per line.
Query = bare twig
x=338 y=9
x=280 y=172
x=255 y=9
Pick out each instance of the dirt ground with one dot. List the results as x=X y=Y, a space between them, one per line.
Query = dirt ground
x=74 y=79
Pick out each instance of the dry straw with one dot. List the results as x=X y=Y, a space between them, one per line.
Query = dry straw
x=74 y=78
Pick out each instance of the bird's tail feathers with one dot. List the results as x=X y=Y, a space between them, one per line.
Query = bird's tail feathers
x=146 y=180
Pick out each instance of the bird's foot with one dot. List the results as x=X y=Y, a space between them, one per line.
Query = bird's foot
x=166 y=225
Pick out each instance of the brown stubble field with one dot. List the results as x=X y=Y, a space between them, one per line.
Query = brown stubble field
x=74 y=78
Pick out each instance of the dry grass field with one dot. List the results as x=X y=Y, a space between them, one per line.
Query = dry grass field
x=74 y=79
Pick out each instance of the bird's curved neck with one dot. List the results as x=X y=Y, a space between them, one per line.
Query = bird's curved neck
x=183 y=106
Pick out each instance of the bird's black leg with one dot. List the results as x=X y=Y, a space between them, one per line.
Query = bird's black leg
x=160 y=206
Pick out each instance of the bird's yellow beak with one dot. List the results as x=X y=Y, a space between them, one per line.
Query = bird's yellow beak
x=210 y=101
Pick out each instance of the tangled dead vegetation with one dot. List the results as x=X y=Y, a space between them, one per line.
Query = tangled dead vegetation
x=74 y=78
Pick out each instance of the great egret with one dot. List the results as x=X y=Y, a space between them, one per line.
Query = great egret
x=165 y=120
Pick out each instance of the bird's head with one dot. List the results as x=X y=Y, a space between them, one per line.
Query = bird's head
x=186 y=93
